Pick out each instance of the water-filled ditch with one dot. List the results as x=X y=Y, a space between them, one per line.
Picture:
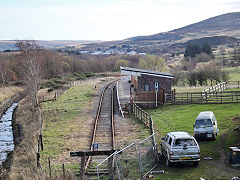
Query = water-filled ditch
x=6 y=133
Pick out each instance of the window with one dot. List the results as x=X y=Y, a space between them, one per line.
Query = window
x=166 y=138
x=203 y=123
x=184 y=142
x=146 y=87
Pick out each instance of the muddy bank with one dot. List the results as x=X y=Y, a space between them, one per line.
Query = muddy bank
x=7 y=103
x=10 y=131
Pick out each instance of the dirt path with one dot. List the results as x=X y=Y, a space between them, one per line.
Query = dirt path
x=222 y=162
x=128 y=130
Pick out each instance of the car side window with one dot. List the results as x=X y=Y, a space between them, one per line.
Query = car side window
x=170 y=141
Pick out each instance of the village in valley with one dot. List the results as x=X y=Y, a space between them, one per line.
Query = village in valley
x=161 y=106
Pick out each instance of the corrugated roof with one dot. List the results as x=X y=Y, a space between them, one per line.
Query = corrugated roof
x=148 y=72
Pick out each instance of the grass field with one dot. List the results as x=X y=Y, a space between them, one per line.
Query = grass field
x=8 y=91
x=181 y=118
x=234 y=73
x=64 y=125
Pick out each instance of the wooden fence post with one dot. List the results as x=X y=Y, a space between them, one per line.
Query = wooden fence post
x=82 y=169
x=41 y=141
x=38 y=160
x=191 y=98
x=221 y=96
x=217 y=96
x=63 y=171
x=49 y=167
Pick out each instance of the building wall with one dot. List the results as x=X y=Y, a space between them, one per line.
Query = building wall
x=163 y=83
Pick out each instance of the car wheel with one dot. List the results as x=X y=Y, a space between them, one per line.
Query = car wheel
x=168 y=163
x=195 y=163
x=162 y=152
x=214 y=137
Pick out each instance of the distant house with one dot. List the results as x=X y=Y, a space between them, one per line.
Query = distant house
x=132 y=53
x=149 y=81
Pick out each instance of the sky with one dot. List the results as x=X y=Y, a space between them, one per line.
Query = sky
x=102 y=19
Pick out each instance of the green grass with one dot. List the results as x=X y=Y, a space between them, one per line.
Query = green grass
x=60 y=117
x=234 y=73
x=181 y=118
x=186 y=172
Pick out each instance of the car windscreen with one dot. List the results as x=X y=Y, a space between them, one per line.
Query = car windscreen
x=184 y=142
x=203 y=123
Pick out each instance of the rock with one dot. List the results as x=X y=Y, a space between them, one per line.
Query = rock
x=207 y=158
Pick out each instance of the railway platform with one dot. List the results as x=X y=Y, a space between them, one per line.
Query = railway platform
x=124 y=91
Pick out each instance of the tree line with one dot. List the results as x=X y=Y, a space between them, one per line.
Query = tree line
x=193 y=49
x=53 y=63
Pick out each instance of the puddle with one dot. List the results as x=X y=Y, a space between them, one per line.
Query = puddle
x=6 y=133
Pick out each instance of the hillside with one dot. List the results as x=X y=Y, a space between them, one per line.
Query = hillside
x=213 y=41
x=218 y=30
x=222 y=25
x=222 y=29
x=9 y=44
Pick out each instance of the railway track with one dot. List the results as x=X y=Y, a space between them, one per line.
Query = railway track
x=103 y=132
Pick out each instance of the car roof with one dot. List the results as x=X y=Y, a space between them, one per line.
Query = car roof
x=205 y=114
x=180 y=134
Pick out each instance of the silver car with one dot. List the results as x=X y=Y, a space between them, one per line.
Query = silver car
x=206 y=125
x=180 y=147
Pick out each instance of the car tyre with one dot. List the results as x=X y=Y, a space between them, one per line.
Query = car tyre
x=168 y=163
x=214 y=137
x=162 y=151
x=195 y=164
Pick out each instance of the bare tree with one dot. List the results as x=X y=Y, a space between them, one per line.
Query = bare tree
x=3 y=72
x=31 y=61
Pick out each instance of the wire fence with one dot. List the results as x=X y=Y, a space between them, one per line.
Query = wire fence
x=135 y=161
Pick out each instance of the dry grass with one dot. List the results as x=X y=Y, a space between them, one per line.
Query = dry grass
x=24 y=163
x=8 y=91
x=184 y=89
x=68 y=123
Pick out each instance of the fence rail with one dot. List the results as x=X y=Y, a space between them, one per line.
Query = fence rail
x=212 y=97
x=135 y=161
x=143 y=116
x=51 y=96
x=217 y=88
x=233 y=84
x=216 y=94
x=150 y=96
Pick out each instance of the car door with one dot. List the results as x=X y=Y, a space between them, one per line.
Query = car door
x=164 y=144
x=168 y=144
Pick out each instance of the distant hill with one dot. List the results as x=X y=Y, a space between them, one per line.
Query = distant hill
x=213 y=41
x=10 y=44
x=223 y=25
x=222 y=29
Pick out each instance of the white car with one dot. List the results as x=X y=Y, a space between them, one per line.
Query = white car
x=180 y=147
x=205 y=125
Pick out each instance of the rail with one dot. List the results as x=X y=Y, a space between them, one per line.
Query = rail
x=96 y=122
